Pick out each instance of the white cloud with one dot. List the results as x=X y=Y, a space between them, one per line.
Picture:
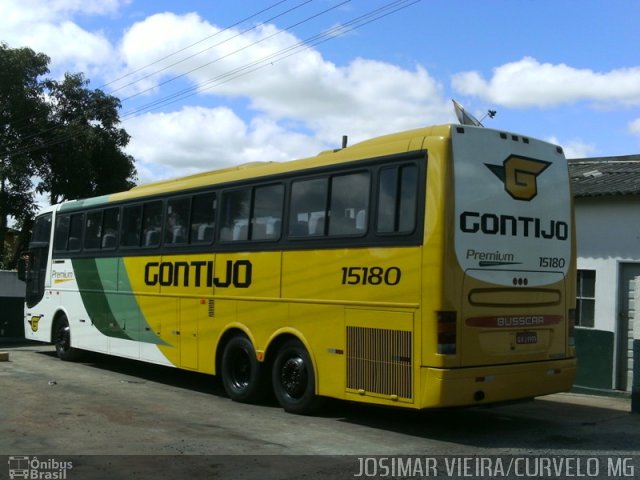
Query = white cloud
x=575 y=148
x=156 y=37
x=362 y=99
x=529 y=83
x=69 y=46
x=89 y=7
x=47 y=26
x=302 y=92
x=18 y=12
x=197 y=139
x=634 y=127
x=298 y=104
x=216 y=53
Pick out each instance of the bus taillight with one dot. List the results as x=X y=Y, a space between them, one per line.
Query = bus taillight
x=572 y=327
x=447 y=333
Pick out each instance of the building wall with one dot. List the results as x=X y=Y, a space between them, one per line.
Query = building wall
x=12 y=293
x=608 y=238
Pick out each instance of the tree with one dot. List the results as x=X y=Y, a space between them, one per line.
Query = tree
x=23 y=111
x=84 y=157
x=61 y=133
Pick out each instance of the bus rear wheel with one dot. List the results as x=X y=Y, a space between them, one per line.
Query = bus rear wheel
x=242 y=374
x=293 y=378
x=62 y=340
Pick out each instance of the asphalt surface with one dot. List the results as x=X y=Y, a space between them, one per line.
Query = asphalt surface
x=158 y=422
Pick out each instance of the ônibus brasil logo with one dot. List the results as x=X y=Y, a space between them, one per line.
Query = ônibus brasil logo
x=32 y=468
x=519 y=174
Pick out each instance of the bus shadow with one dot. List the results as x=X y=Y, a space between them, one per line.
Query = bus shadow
x=534 y=425
x=140 y=371
x=17 y=342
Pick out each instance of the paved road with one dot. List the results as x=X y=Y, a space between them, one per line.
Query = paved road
x=111 y=406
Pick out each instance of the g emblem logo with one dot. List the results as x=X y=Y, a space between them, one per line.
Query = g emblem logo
x=33 y=321
x=519 y=176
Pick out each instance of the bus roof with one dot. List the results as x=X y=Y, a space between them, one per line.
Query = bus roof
x=384 y=145
x=379 y=146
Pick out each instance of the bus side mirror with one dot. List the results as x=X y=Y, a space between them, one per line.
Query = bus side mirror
x=22 y=267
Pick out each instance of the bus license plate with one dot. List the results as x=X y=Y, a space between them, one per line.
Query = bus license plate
x=526 y=338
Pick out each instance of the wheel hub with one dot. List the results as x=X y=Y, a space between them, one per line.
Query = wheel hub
x=293 y=377
x=241 y=370
x=63 y=338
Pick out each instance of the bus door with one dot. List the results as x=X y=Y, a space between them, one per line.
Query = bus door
x=513 y=243
x=35 y=270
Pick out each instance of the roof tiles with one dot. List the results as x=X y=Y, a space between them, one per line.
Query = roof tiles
x=605 y=176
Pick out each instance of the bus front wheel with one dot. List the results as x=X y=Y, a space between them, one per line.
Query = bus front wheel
x=293 y=379
x=62 y=340
x=242 y=375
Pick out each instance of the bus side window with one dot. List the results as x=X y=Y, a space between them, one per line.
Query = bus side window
x=235 y=215
x=61 y=233
x=266 y=222
x=349 y=204
x=75 y=232
x=110 y=222
x=203 y=215
x=92 y=230
x=308 y=207
x=397 y=199
x=408 y=199
x=176 y=221
x=131 y=223
x=68 y=232
x=152 y=222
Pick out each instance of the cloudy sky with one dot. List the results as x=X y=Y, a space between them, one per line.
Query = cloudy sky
x=210 y=83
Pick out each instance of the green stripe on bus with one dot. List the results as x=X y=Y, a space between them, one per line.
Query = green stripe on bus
x=86 y=203
x=124 y=305
x=111 y=305
x=94 y=298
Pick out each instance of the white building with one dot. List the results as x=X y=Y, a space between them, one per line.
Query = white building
x=607 y=200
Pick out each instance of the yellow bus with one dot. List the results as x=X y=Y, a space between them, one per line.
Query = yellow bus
x=428 y=268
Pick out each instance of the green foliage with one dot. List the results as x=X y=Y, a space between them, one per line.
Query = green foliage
x=22 y=112
x=60 y=132
x=87 y=160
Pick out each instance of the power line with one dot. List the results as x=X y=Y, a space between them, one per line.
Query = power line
x=280 y=55
x=204 y=50
x=24 y=123
x=269 y=37
x=353 y=24
x=192 y=45
x=55 y=141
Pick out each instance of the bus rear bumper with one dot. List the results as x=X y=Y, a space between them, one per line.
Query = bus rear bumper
x=492 y=384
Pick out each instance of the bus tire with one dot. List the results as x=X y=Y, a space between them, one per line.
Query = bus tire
x=293 y=378
x=62 y=340
x=242 y=374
